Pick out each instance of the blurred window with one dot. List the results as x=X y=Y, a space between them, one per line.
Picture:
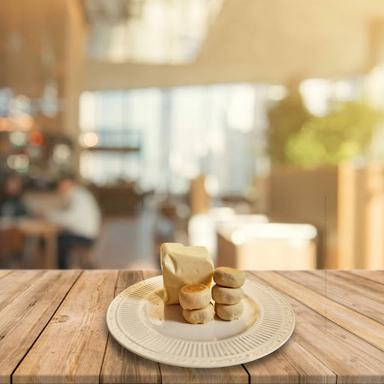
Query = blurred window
x=5 y=100
x=153 y=31
x=320 y=94
x=164 y=137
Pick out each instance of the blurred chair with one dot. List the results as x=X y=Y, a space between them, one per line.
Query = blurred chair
x=12 y=243
x=82 y=257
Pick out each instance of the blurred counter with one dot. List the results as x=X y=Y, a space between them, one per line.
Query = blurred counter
x=264 y=246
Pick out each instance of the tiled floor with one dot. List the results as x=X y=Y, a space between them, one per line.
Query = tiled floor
x=128 y=243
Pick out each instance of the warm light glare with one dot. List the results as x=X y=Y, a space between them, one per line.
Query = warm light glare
x=61 y=153
x=18 y=162
x=89 y=139
x=316 y=94
x=21 y=123
x=274 y=231
x=18 y=138
x=276 y=92
x=161 y=32
x=36 y=138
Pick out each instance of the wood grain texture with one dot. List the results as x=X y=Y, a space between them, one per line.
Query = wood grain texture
x=377 y=276
x=4 y=272
x=28 y=299
x=15 y=284
x=362 y=326
x=71 y=348
x=290 y=364
x=52 y=330
x=353 y=291
x=121 y=365
x=177 y=375
x=351 y=358
x=275 y=368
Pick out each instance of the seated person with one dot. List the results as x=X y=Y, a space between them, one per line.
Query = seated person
x=11 y=203
x=79 y=220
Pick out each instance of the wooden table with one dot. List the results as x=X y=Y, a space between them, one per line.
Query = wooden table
x=41 y=229
x=48 y=232
x=52 y=329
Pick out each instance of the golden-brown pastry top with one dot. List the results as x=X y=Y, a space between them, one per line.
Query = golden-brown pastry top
x=193 y=288
x=229 y=277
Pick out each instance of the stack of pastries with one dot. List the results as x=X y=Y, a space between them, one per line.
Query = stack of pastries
x=187 y=277
x=227 y=293
x=196 y=303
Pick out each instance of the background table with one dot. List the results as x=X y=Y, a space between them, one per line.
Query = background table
x=40 y=229
x=52 y=329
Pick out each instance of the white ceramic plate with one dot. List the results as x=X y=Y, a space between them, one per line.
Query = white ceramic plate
x=139 y=321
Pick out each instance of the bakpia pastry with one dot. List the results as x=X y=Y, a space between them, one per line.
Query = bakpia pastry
x=224 y=295
x=181 y=266
x=229 y=277
x=194 y=296
x=199 y=316
x=229 y=312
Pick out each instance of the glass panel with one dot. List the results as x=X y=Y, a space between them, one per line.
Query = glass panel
x=189 y=131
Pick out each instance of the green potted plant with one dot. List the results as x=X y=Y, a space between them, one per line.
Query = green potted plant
x=305 y=151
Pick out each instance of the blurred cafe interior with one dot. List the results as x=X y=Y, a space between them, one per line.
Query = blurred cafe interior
x=252 y=127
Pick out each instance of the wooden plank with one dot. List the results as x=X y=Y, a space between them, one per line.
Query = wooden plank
x=121 y=365
x=71 y=348
x=151 y=273
x=311 y=369
x=290 y=364
x=377 y=276
x=353 y=291
x=362 y=326
x=28 y=299
x=351 y=358
x=14 y=285
x=4 y=272
x=273 y=369
x=176 y=375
